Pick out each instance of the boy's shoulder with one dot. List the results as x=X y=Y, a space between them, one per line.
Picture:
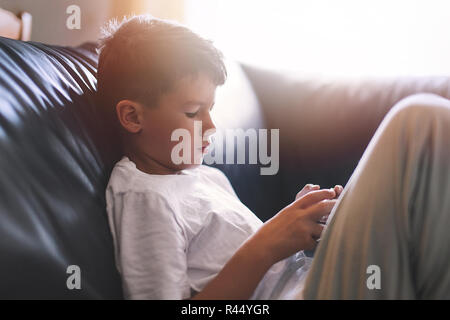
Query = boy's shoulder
x=211 y=170
x=125 y=177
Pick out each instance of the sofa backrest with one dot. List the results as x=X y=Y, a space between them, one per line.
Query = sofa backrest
x=326 y=123
x=53 y=171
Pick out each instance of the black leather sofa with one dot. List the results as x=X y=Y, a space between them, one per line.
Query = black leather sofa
x=56 y=155
x=52 y=209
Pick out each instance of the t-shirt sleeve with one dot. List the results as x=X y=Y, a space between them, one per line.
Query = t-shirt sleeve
x=152 y=248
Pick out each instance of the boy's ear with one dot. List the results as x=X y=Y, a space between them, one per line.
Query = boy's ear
x=129 y=114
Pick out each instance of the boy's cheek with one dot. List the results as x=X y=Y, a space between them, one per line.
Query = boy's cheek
x=168 y=146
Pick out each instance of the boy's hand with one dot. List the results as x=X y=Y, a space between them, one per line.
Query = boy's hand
x=311 y=187
x=296 y=227
x=307 y=188
x=338 y=188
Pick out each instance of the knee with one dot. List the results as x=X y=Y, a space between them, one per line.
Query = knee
x=420 y=110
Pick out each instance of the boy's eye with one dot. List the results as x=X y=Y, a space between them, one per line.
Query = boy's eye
x=191 y=114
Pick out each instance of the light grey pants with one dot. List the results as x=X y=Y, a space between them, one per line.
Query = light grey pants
x=392 y=222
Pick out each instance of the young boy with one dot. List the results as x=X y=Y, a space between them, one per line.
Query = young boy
x=180 y=230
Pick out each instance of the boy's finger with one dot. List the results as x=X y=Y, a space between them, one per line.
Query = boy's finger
x=313 y=197
x=338 y=189
x=307 y=188
x=324 y=219
x=323 y=208
x=317 y=231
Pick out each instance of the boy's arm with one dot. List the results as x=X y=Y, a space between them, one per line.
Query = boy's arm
x=240 y=276
x=292 y=229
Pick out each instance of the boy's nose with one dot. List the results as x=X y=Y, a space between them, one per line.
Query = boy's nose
x=208 y=125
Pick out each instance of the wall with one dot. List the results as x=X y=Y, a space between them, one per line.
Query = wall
x=49 y=16
x=165 y=9
x=49 y=19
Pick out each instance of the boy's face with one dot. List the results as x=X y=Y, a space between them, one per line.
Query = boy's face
x=149 y=129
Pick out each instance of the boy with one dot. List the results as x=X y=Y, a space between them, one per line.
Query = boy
x=180 y=230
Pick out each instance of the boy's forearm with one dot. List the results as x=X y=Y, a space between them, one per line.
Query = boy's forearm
x=240 y=276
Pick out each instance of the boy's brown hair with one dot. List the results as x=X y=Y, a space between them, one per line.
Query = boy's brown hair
x=142 y=57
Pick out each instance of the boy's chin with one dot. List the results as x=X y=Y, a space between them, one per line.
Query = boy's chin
x=195 y=164
x=189 y=166
x=196 y=161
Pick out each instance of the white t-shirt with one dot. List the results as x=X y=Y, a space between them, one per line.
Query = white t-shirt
x=174 y=233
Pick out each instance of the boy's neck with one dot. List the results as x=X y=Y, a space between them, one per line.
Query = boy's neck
x=149 y=165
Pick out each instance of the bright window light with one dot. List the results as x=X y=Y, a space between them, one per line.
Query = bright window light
x=343 y=38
